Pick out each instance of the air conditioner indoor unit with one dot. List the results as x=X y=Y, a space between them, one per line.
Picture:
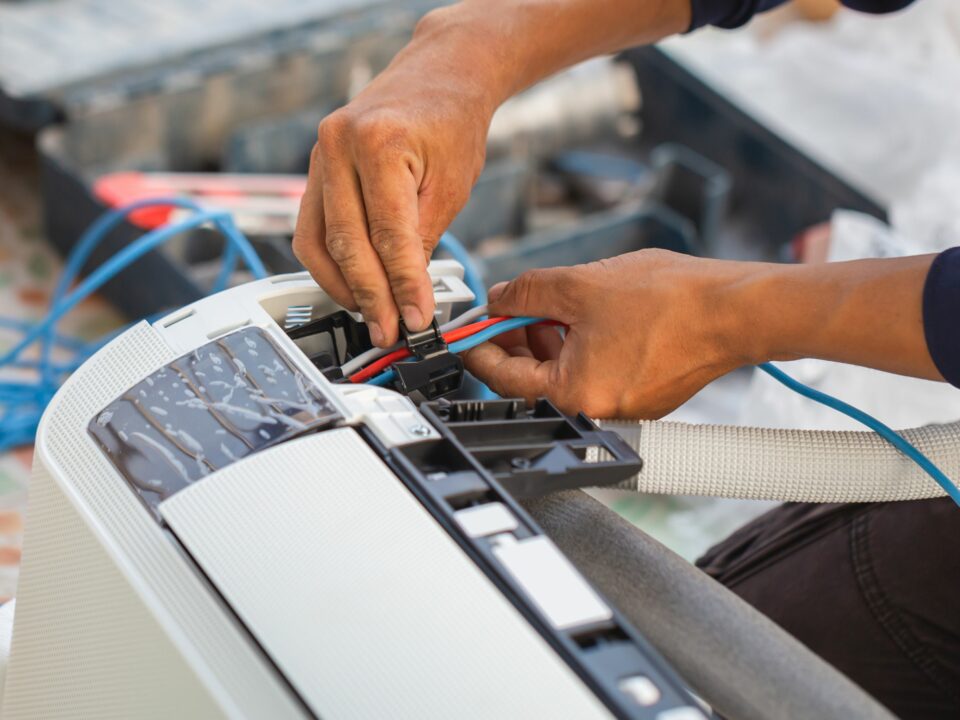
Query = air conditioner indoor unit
x=220 y=526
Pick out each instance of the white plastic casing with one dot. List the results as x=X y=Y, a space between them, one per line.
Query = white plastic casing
x=317 y=584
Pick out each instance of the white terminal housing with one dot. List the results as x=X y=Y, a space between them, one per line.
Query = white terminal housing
x=302 y=580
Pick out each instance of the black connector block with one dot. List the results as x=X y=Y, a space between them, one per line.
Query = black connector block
x=434 y=371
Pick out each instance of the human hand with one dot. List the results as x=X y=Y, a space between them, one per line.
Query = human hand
x=645 y=332
x=388 y=174
x=391 y=170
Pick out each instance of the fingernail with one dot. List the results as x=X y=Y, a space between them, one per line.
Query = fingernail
x=496 y=291
x=376 y=333
x=412 y=317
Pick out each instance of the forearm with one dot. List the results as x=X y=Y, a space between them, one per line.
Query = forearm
x=508 y=45
x=392 y=168
x=864 y=312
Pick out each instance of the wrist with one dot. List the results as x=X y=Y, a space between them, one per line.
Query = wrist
x=833 y=311
x=757 y=325
x=509 y=45
x=479 y=55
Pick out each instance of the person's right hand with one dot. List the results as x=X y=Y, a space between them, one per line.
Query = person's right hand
x=388 y=174
x=645 y=331
x=648 y=329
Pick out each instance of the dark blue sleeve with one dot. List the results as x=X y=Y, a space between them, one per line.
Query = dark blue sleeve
x=941 y=314
x=734 y=13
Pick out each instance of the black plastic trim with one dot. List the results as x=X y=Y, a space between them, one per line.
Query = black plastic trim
x=445 y=477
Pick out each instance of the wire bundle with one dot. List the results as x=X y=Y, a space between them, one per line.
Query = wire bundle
x=23 y=400
x=393 y=356
x=459 y=339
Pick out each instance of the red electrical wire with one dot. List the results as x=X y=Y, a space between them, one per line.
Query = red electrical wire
x=389 y=359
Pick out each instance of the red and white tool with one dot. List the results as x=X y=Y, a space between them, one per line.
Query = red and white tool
x=260 y=204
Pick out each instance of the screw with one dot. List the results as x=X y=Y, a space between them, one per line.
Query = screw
x=420 y=430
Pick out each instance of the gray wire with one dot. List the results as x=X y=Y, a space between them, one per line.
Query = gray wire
x=471 y=315
x=365 y=358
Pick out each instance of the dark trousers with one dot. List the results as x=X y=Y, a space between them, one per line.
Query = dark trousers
x=874 y=589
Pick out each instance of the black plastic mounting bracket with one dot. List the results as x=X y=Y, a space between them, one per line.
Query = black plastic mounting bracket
x=434 y=371
x=331 y=340
x=534 y=450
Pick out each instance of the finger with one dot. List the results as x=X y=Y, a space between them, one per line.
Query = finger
x=440 y=201
x=308 y=238
x=549 y=293
x=349 y=246
x=496 y=291
x=390 y=197
x=519 y=350
x=512 y=338
x=512 y=376
x=544 y=341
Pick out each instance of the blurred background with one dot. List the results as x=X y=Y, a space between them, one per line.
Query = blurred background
x=812 y=134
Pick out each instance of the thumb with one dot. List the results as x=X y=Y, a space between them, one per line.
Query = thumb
x=545 y=293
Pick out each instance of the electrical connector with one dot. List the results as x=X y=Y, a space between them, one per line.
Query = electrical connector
x=434 y=371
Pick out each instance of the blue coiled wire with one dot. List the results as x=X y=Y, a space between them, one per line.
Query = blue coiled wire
x=22 y=401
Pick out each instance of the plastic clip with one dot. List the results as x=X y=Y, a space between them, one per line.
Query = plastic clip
x=434 y=371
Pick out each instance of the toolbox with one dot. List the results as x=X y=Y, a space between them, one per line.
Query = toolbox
x=239 y=87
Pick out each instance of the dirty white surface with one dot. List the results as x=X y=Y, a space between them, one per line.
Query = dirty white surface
x=874 y=98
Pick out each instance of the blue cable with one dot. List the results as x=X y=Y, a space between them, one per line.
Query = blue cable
x=871 y=422
x=472 y=276
x=24 y=401
x=388 y=376
x=385 y=378
x=474 y=280
x=65 y=341
x=19 y=426
x=491 y=332
x=106 y=223
x=124 y=257
x=102 y=227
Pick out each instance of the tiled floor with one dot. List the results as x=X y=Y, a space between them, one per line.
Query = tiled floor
x=28 y=269
x=19 y=264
